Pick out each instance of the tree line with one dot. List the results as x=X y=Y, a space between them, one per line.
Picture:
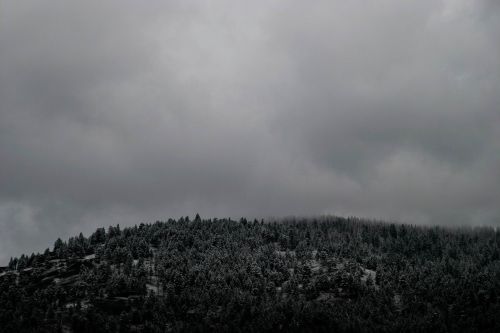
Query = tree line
x=221 y=275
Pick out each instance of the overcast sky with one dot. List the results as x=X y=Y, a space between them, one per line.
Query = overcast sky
x=135 y=111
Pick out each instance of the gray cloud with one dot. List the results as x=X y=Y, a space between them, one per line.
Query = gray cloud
x=123 y=112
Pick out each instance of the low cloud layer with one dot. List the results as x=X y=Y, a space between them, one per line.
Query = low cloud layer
x=125 y=112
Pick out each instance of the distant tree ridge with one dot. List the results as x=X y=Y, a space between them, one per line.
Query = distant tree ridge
x=328 y=274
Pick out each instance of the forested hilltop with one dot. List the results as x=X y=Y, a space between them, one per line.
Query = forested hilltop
x=320 y=274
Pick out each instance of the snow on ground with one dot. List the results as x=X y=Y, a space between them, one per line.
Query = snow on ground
x=368 y=273
x=152 y=288
x=315 y=265
x=284 y=253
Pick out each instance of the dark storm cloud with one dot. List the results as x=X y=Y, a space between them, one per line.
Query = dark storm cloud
x=125 y=111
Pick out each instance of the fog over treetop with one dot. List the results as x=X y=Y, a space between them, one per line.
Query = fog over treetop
x=127 y=111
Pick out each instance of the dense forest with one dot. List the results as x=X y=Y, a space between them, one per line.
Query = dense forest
x=318 y=274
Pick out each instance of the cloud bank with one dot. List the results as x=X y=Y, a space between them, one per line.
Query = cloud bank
x=126 y=111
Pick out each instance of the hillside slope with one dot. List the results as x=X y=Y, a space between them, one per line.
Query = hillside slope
x=326 y=274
